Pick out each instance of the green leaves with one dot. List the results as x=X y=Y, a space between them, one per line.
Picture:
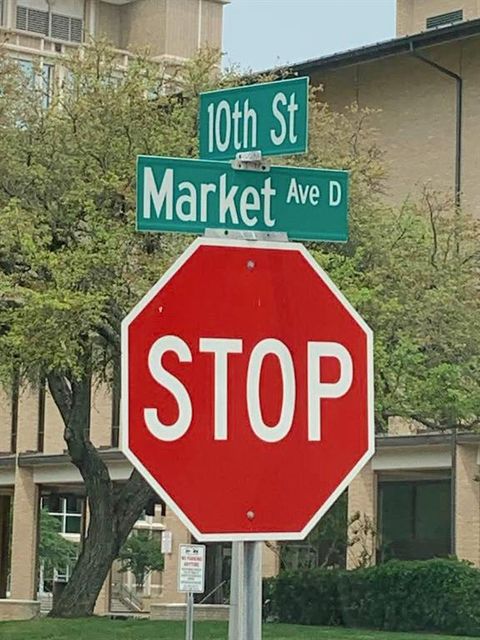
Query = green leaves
x=54 y=551
x=72 y=264
x=141 y=554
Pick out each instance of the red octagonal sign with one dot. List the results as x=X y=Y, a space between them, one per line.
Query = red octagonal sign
x=247 y=390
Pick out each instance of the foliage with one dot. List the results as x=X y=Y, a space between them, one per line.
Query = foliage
x=413 y=274
x=434 y=595
x=141 y=554
x=335 y=538
x=307 y=596
x=54 y=551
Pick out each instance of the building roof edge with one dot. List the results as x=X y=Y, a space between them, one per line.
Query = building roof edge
x=384 y=49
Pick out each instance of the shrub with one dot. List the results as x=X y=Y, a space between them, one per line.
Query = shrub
x=433 y=595
x=305 y=597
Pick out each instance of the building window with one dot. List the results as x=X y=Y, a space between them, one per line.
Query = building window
x=14 y=412
x=41 y=415
x=66 y=28
x=55 y=25
x=116 y=405
x=47 y=84
x=445 y=19
x=32 y=20
x=67 y=509
x=39 y=78
x=414 y=520
x=1 y=12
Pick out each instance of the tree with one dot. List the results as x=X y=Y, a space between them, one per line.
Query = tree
x=54 y=551
x=72 y=265
x=71 y=261
x=141 y=554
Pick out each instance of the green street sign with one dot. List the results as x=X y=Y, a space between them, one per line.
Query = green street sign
x=271 y=117
x=190 y=196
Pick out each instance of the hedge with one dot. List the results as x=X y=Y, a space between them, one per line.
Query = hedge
x=432 y=595
x=303 y=597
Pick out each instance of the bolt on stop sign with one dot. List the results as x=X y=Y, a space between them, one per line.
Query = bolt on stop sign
x=247 y=390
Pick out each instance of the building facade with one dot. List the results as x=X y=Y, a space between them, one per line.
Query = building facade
x=421 y=489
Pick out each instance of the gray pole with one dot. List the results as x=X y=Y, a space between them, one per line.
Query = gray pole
x=253 y=590
x=189 y=625
x=235 y=625
x=246 y=592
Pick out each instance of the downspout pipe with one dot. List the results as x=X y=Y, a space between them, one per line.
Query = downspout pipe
x=458 y=200
x=458 y=117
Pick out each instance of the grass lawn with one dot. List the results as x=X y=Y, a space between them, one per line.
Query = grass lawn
x=103 y=629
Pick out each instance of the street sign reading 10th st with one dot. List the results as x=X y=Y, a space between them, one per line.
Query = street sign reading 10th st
x=271 y=117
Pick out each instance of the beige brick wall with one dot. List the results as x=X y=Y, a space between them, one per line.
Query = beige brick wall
x=212 y=20
x=362 y=498
x=270 y=560
x=467 y=521
x=19 y=609
x=182 y=28
x=180 y=535
x=27 y=437
x=101 y=416
x=109 y=23
x=24 y=536
x=143 y=24
x=416 y=119
x=5 y=420
x=412 y=14
x=102 y=605
x=54 y=427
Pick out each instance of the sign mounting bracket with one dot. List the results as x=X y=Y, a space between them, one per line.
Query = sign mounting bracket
x=251 y=161
x=239 y=234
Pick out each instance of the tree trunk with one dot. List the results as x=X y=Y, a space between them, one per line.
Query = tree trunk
x=113 y=510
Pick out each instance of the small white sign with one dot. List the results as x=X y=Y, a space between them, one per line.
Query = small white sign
x=167 y=542
x=191 y=568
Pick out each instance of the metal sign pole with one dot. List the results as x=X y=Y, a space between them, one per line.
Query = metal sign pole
x=235 y=624
x=252 y=590
x=189 y=625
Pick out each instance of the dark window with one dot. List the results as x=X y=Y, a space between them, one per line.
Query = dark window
x=66 y=28
x=32 y=20
x=1 y=12
x=14 y=412
x=414 y=519
x=116 y=405
x=47 y=84
x=60 y=27
x=41 y=415
x=76 y=29
x=54 y=25
x=22 y=18
x=444 y=19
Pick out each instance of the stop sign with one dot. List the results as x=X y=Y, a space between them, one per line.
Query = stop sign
x=247 y=390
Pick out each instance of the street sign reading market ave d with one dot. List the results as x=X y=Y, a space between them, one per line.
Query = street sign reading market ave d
x=247 y=390
x=271 y=117
x=192 y=195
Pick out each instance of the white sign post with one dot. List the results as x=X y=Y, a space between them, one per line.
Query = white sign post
x=191 y=578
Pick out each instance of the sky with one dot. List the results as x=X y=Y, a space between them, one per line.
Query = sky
x=261 y=34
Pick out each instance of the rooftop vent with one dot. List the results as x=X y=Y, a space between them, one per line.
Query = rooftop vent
x=445 y=19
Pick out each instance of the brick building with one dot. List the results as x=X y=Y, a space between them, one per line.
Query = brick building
x=424 y=84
